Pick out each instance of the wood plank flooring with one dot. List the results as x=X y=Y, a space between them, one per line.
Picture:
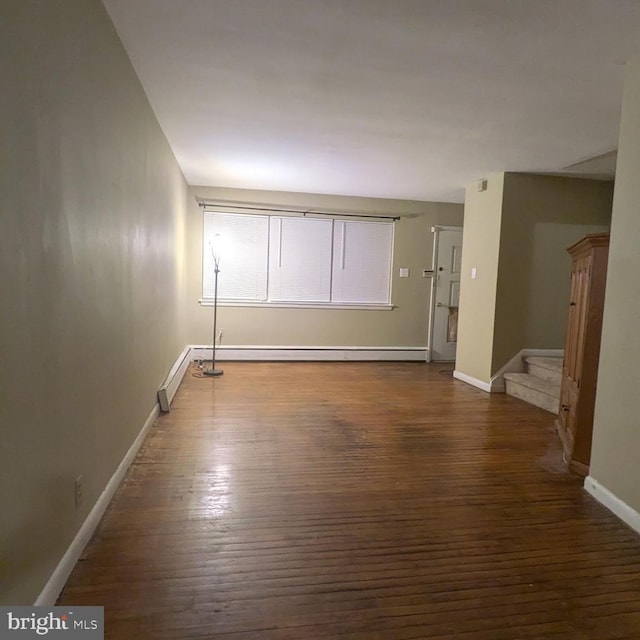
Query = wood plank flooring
x=294 y=501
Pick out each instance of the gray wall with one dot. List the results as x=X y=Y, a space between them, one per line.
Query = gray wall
x=405 y=325
x=616 y=437
x=92 y=220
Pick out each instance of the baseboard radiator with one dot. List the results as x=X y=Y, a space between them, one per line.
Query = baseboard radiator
x=173 y=380
x=278 y=353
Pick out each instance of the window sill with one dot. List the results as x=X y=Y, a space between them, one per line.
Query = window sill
x=299 y=305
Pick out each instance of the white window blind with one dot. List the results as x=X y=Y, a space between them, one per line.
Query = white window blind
x=361 y=262
x=288 y=260
x=244 y=248
x=300 y=260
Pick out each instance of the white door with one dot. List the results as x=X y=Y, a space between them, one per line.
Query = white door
x=446 y=293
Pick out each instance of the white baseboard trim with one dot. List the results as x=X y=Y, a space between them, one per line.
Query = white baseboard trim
x=60 y=575
x=475 y=382
x=173 y=379
x=290 y=353
x=611 y=501
x=516 y=365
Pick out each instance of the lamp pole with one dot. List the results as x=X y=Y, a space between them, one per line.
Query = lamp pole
x=216 y=269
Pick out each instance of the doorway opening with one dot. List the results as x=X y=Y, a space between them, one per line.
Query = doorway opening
x=445 y=293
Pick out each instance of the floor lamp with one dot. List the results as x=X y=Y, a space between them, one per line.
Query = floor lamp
x=215 y=254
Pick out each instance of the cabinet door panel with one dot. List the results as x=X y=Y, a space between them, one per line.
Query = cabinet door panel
x=577 y=317
x=582 y=344
x=561 y=422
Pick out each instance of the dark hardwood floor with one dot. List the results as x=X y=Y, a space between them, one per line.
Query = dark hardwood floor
x=356 y=501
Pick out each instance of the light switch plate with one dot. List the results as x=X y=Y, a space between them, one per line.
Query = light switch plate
x=404 y=272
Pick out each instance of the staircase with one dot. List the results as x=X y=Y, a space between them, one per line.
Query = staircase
x=540 y=385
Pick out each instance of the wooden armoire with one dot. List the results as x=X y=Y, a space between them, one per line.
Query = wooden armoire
x=582 y=349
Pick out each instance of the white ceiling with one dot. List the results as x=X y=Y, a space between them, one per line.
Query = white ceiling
x=391 y=98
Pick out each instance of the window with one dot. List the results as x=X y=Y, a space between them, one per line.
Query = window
x=300 y=260
x=293 y=260
x=362 y=253
x=244 y=248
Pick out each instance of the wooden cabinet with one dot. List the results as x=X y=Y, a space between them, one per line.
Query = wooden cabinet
x=582 y=349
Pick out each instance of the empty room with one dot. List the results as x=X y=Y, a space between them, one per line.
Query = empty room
x=319 y=319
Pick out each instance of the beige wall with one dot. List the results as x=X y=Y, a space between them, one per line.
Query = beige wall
x=480 y=251
x=92 y=262
x=616 y=438
x=541 y=217
x=516 y=234
x=405 y=325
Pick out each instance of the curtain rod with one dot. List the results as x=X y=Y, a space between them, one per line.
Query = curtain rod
x=304 y=213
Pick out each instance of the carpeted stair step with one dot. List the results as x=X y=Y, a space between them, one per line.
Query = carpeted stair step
x=547 y=368
x=534 y=390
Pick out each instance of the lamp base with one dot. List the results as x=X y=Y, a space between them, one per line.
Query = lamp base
x=212 y=372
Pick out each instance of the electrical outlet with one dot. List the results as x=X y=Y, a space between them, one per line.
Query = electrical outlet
x=78 y=491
